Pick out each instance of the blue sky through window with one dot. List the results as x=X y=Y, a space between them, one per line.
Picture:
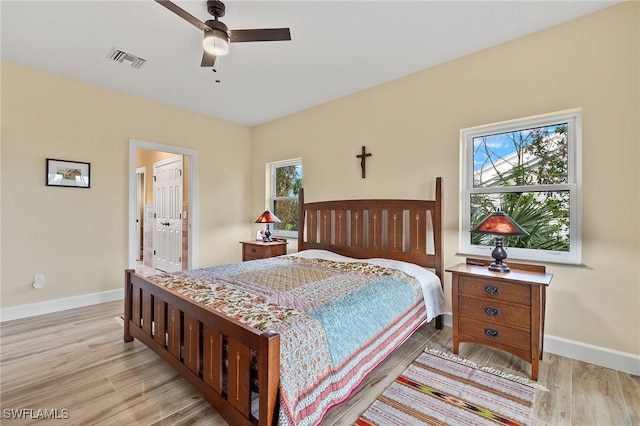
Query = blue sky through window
x=502 y=145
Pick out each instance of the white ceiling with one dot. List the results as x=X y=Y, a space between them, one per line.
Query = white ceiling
x=337 y=47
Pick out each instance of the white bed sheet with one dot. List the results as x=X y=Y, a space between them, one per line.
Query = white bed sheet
x=431 y=286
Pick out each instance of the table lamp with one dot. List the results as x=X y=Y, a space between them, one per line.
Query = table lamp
x=499 y=224
x=267 y=217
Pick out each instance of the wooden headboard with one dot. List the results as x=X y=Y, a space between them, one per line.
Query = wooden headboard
x=407 y=230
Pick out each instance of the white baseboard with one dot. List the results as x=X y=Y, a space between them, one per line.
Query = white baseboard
x=605 y=357
x=32 y=309
x=610 y=358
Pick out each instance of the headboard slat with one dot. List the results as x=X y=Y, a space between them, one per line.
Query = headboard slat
x=418 y=236
x=340 y=227
x=325 y=226
x=395 y=230
x=357 y=227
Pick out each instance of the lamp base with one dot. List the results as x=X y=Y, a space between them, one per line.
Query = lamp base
x=499 y=254
x=267 y=235
x=499 y=267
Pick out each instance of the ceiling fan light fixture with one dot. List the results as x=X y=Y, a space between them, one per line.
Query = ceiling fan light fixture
x=217 y=35
x=216 y=42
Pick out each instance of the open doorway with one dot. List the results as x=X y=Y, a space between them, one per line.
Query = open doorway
x=141 y=205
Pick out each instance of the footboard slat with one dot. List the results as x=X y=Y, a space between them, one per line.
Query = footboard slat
x=191 y=338
x=160 y=321
x=192 y=343
x=239 y=380
x=147 y=311
x=212 y=356
x=173 y=330
x=135 y=306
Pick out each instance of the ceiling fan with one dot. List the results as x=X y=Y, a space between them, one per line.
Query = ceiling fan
x=216 y=34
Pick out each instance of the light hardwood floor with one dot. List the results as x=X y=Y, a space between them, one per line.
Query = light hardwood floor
x=77 y=361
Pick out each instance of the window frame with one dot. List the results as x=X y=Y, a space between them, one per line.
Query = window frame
x=271 y=190
x=573 y=118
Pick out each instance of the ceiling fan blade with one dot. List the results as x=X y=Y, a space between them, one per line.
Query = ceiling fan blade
x=208 y=60
x=264 y=34
x=184 y=15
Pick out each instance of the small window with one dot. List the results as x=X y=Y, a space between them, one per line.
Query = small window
x=286 y=181
x=529 y=169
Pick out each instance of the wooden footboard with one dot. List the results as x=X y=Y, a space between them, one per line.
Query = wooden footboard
x=190 y=337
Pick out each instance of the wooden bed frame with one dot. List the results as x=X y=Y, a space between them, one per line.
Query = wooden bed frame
x=190 y=336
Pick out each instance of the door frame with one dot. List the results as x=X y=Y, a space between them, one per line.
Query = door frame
x=141 y=185
x=192 y=213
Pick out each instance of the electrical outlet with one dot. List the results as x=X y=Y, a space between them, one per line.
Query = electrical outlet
x=38 y=282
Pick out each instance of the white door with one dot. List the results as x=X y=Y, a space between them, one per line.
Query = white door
x=167 y=200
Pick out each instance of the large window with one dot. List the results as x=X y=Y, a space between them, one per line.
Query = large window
x=286 y=181
x=529 y=169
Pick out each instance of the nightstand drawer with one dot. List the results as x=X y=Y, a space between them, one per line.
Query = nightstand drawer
x=495 y=289
x=252 y=252
x=496 y=334
x=495 y=311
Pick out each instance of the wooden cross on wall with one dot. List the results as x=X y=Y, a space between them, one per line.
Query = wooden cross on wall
x=363 y=160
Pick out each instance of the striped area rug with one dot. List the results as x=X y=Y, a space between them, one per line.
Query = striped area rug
x=442 y=389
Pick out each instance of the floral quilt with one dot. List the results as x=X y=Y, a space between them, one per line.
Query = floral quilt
x=337 y=321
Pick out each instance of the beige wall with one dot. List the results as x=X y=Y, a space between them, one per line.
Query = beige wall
x=411 y=126
x=78 y=238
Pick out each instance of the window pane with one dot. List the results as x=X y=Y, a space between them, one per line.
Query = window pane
x=288 y=181
x=544 y=215
x=536 y=156
x=287 y=212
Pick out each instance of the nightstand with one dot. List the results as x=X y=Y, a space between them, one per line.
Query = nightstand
x=504 y=310
x=252 y=250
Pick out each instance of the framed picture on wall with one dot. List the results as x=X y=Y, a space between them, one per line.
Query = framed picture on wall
x=73 y=174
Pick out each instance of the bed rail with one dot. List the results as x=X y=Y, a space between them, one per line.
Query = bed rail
x=190 y=338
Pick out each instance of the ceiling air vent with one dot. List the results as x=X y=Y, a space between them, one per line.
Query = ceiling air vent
x=118 y=55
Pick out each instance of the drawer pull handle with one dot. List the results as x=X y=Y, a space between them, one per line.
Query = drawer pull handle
x=491 y=332
x=253 y=250
x=492 y=311
x=491 y=289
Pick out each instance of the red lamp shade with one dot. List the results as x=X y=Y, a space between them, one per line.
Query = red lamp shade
x=499 y=224
x=267 y=217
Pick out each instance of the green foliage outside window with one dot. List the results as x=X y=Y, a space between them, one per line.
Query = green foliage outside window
x=532 y=161
x=288 y=181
